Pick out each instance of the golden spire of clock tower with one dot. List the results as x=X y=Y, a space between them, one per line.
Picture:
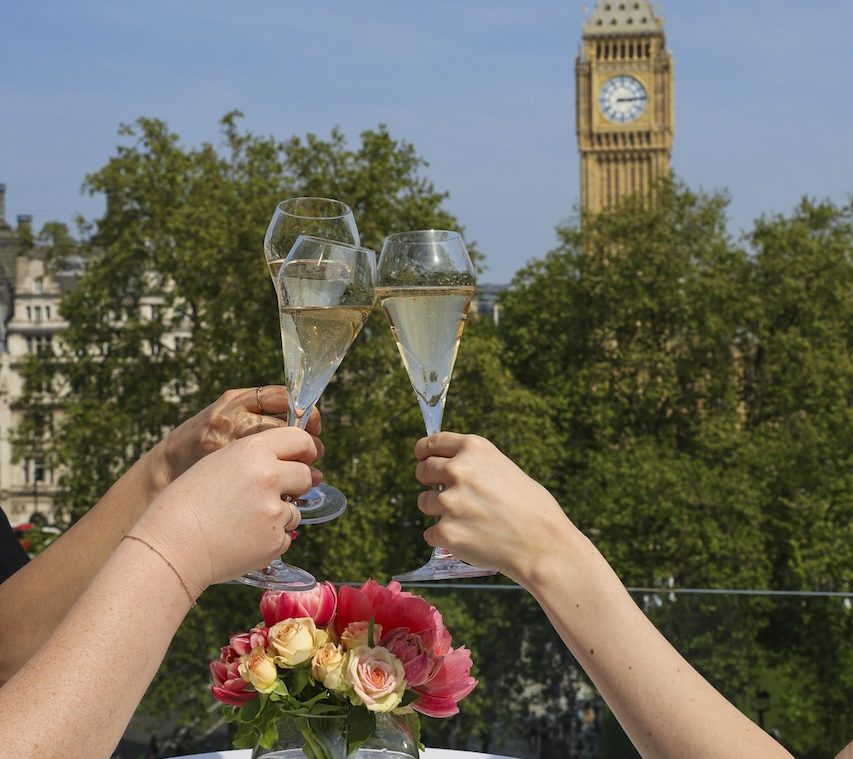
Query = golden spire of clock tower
x=624 y=102
x=622 y=18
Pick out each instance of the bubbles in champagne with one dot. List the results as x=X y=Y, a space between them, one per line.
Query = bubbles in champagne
x=427 y=323
x=314 y=341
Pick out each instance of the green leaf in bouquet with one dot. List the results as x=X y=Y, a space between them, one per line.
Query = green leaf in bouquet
x=299 y=678
x=370 y=625
x=280 y=689
x=245 y=736
x=250 y=711
x=314 y=700
x=408 y=697
x=414 y=722
x=361 y=724
x=338 y=710
x=270 y=732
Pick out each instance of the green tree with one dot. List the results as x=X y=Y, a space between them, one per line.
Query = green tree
x=179 y=251
x=702 y=394
x=799 y=375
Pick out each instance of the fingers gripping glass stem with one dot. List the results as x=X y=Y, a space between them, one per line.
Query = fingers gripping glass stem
x=425 y=282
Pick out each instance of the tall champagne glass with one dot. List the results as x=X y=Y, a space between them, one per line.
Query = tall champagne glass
x=331 y=220
x=425 y=282
x=326 y=293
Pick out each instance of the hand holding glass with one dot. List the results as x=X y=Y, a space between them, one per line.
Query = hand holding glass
x=326 y=293
x=329 y=219
x=425 y=282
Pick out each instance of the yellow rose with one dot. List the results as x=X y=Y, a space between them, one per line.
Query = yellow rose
x=257 y=669
x=294 y=641
x=328 y=666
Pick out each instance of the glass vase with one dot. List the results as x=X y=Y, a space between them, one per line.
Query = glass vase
x=323 y=737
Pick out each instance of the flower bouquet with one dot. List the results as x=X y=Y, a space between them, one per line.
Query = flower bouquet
x=343 y=656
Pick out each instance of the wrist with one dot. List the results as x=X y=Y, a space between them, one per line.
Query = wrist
x=175 y=547
x=563 y=553
x=157 y=469
x=191 y=596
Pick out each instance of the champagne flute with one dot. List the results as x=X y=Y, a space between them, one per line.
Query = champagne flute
x=326 y=293
x=425 y=282
x=331 y=220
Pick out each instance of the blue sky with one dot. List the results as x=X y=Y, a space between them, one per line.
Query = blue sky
x=484 y=89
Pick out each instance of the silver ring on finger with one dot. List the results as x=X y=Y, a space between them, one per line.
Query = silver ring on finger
x=258 y=398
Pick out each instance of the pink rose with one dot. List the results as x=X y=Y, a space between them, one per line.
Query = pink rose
x=355 y=635
x=376 y=677
x=439 y=696
x=228 y=687
x=319 y=604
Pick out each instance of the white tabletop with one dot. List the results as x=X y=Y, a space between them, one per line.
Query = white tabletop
x=429 y=753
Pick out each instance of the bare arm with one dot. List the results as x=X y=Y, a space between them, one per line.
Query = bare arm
x=223 y=517
x=664 y=705
x=37 y=597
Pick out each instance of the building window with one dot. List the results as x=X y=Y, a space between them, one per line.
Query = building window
x=47 y=312
x=38 y=314
x=29 y=314
x=40 y=473
x=39 y=343
x=38 y=286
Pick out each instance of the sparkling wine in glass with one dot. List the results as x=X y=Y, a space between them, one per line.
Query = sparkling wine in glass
x=425 y=282
x=326 y=293
x=329 y=219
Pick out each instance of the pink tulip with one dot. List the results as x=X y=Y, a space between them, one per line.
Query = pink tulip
x=418 y=661
x=439 y=696
x=245 y=642
x=394 y=608
x=319 y=604
x=228 y=687
x=353 y=606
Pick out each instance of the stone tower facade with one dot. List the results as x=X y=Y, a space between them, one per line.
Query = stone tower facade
x=624 y=103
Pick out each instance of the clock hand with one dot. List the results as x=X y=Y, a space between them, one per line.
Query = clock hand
x=628 y=100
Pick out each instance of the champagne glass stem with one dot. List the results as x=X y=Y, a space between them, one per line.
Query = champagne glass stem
x=433 y=414
x=298 y=421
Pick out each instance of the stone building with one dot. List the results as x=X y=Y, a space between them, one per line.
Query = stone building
x=29 y=323
x=623 y=101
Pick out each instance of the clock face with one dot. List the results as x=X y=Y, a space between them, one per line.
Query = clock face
x=622 y=99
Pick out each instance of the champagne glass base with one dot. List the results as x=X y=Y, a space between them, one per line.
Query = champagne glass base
x=322 y=503
x=444 y=567
x=279 y=576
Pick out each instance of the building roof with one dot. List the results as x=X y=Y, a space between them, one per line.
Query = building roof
x=621 y=17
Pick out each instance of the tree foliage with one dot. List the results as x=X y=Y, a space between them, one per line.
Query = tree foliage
x=684 y=395
x=703 y=396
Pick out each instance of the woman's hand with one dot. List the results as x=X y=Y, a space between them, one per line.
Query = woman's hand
x=491 y=514
x=234 y=415
x=227 y=515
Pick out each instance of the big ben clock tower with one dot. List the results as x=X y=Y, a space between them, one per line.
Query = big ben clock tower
x=624 y=85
